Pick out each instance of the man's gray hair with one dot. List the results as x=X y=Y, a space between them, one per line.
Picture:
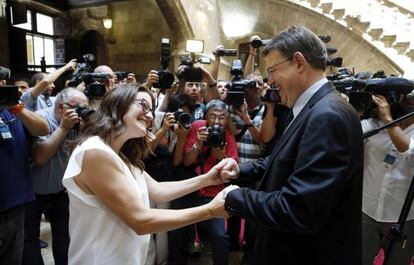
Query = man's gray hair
x=299 y=39
x=64 y=95
x=217 y=105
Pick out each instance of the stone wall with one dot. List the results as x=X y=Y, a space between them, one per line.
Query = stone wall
x=134 y=42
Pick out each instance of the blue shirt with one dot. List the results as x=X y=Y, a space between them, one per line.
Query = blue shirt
x=47 y=178
x=15 y=181
x=41 y=102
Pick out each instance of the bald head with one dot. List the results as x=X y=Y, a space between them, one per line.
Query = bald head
x=110 y=82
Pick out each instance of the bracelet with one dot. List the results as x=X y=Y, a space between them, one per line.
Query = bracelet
x=194 y=148
x=252 y=53
x=249 y=125
x=17 y=109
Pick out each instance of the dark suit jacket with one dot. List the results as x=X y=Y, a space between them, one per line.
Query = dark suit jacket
x=307 y=210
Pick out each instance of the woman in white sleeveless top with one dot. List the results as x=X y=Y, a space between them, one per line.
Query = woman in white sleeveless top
x=110 y=219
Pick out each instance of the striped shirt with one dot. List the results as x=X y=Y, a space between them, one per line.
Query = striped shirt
x=249 y=149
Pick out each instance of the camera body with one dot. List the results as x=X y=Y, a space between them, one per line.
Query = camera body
x=182 y=118
x=237 y=86
x=4 y=73
x=272 y=95
x=226 y=52
x=81 y=70
x=216 y=136
x=165 y=77
x=257 y=43
x=9 y=95
x=95 y=90
x=84 y=112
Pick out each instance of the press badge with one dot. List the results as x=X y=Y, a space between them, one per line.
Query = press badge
x=389 y=160
x=5 y=132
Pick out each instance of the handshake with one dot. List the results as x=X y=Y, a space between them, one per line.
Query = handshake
x=223 y=172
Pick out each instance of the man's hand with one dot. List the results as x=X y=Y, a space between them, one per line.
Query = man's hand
x=219 y=152
x=202 y=134
x=384 y=111
x=216 y=50
x=152 y=78
x=216 y=206
x=71 y=65
x=229 y=169
x=69 y=119
x=243 y=113
x=181 y=131
x=169 y=121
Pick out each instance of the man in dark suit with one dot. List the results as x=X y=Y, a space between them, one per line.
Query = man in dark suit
x=307 y=209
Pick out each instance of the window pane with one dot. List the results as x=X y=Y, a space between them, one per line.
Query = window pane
x=49 y=51
x=44 y=24
x=28 y=25
x=38 y=49
x=29 y=48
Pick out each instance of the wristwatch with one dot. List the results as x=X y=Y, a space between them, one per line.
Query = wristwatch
x=249 y=125
x=195 y=148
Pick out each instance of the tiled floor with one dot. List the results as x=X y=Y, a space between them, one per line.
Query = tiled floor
x=235 y=257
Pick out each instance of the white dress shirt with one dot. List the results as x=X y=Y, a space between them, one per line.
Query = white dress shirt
x=387 y=174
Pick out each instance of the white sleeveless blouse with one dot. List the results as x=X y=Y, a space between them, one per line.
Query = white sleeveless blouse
x=97 y=235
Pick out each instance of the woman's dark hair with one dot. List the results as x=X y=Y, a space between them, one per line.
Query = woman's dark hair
x=178 y=101
x=107 y=120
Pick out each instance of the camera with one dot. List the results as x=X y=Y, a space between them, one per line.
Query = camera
x=272 y=95
x=189 y=73
x=165 y=77
x=182 y=118
x=226 y=52
x=9 y=95
x=360 y=91
x=95 y=90
x=257 y=43
x=4 y=73
x=216 y=136
x=237 y=86
x=82 y=68
x=84 y=112
x=335 y=61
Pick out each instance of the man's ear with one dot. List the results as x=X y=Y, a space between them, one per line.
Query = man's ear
x=300 y=61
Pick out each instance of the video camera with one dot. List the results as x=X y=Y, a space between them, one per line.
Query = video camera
x=165 y=77
x=225 y=52
x=360 y=92
x=257 y=43
x=335 y=61
x=216 y=136
x=237 y=86
x=190 y=73
x=9 y=95
x=4 y=73
x=82 y=68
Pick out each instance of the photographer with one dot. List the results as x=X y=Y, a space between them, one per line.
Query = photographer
x=109 y=82
x=16 y=124
x=208 y=142
x=39 y=95
x=388 y=171
x=49 y=163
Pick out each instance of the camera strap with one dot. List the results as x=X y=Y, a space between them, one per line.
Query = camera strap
x=245 y=128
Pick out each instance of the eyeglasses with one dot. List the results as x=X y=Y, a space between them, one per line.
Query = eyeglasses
x=214 y=117
x=272 y=68
x=145 y=105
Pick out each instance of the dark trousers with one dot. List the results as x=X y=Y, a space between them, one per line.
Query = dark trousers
x=56 y=206
x=11 y=235
x=213 y=229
